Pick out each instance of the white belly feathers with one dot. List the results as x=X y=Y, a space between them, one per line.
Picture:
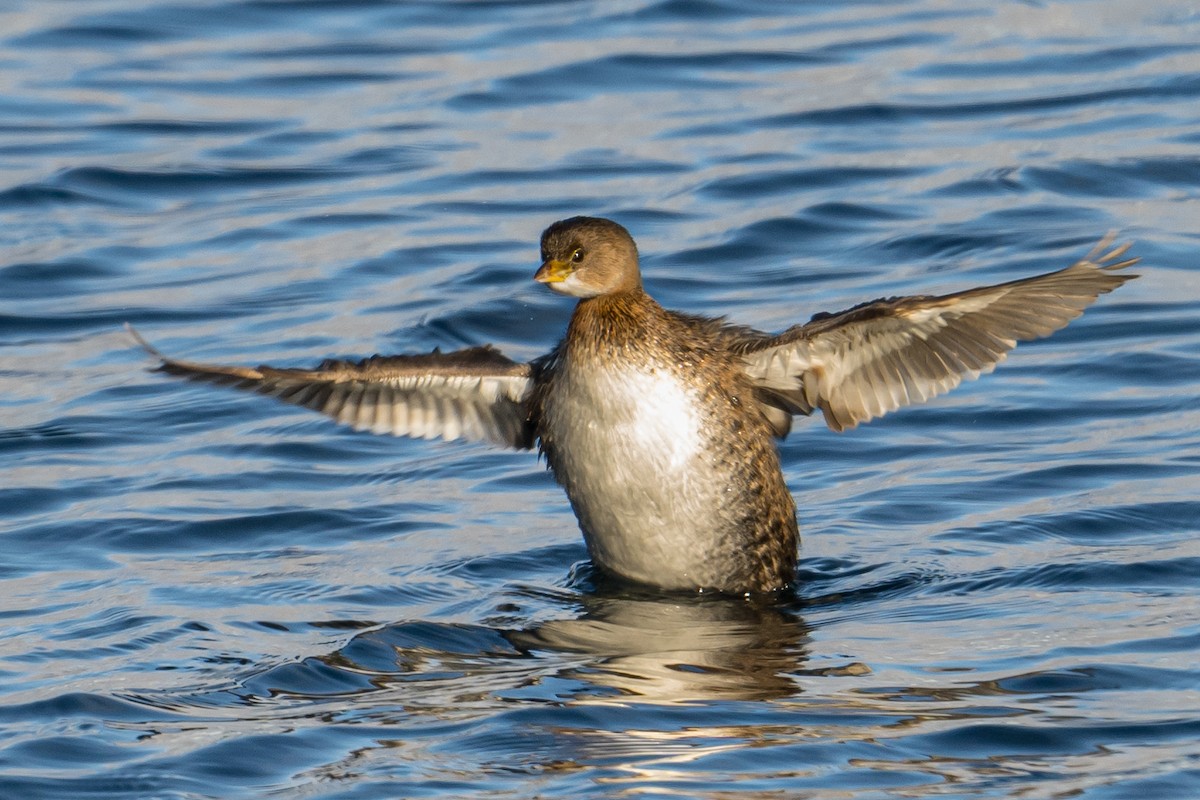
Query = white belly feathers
x=631 y=442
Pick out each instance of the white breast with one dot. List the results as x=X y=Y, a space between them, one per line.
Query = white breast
x=631 y=452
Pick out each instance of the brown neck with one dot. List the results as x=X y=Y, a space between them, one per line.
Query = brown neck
x=616 y=318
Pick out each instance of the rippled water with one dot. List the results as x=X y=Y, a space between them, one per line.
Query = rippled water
x=206 y=594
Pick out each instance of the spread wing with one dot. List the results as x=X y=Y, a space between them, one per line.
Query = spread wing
x=879 y=356
x=475 y=394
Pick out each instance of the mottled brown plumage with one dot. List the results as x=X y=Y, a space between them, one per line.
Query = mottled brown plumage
x=660 y=425
x=701 y=505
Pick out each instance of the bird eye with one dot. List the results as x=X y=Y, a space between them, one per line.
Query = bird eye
x=577 y=256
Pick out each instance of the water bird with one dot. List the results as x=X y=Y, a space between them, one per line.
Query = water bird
x=660 y=425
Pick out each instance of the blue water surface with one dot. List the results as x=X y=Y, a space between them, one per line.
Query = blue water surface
x=206 y=594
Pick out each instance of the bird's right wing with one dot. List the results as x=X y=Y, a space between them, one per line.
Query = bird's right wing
x=476 y=394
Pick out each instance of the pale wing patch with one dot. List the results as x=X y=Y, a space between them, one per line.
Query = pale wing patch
x=474 y=394
x=874 y=358
x=473 y=407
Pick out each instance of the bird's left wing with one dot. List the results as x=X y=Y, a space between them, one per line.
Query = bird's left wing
x=876 y=357
x=476 y=394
